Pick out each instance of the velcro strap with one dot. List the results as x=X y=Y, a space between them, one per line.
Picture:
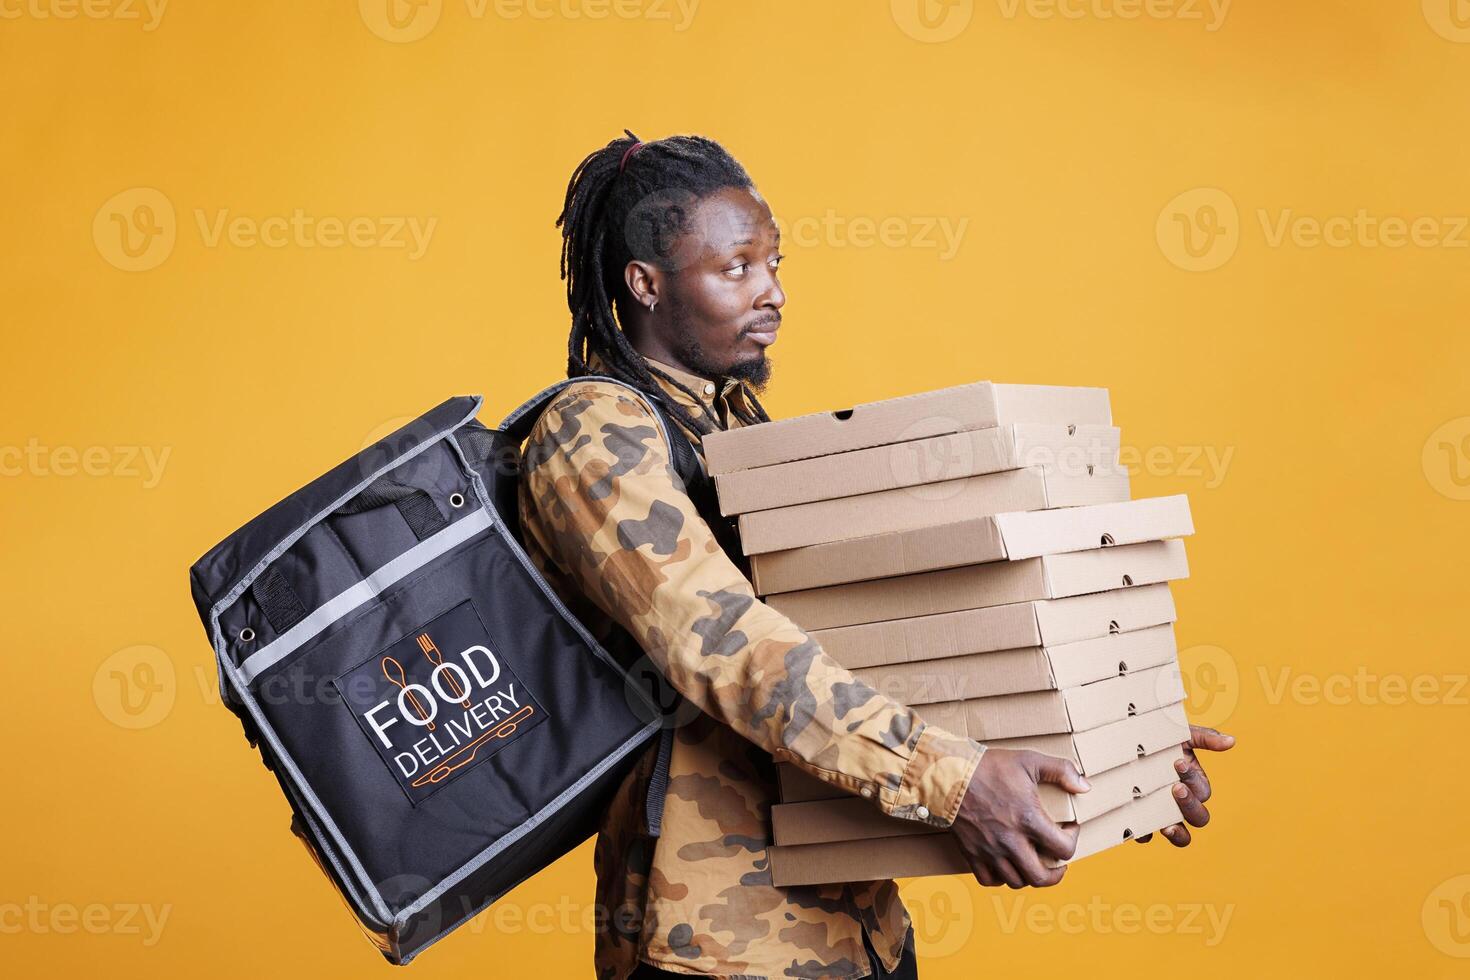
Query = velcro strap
x=283 y=608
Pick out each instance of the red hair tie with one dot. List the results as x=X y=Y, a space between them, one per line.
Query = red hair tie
x=628 y=154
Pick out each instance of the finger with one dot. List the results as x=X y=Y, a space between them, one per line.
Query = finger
x=1144 y=839
x=985 y=876
x=1050 y=769
x=1178 y=835
x=1193 y=810
x=1024 y=859
x=1201 y=737
x=1050 y=837
x=1192 y=774
x=1008 y=873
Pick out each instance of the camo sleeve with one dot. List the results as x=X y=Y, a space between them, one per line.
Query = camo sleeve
x=613 y=515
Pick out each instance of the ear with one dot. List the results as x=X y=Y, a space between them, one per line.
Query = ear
x=644 y=281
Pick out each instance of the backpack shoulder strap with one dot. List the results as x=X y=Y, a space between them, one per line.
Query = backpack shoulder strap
x=697 y=483
x=686 y=460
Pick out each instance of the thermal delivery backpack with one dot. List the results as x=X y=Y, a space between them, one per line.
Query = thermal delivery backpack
x=442 y=726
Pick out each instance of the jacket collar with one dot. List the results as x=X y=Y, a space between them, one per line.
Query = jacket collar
x=708 y=393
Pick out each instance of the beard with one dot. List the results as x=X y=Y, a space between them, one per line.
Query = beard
x=756 y=372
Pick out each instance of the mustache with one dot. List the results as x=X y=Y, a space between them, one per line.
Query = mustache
x=770 y=321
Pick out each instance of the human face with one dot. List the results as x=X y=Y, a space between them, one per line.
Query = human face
x=719 y=306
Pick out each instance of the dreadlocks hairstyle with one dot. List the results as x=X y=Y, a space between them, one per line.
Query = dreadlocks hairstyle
x=629 y=201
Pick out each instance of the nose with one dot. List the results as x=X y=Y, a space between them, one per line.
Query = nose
x=773 y=297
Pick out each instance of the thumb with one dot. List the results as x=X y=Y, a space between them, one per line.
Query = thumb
x=1201 y=737
x=1050 y=769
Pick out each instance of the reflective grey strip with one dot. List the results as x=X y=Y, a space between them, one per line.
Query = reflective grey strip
x=344 y=602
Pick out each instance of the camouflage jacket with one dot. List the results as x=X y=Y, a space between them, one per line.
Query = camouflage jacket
x=606 y=519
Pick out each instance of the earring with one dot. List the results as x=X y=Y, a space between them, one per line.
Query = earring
x=653 y=306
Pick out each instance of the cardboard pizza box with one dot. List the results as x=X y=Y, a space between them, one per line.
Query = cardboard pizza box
x=979 y=586
x=1075 y=449
x=971 y=540
x=980 y=405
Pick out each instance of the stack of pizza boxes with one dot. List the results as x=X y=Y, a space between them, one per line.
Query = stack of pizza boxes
x=972 y=552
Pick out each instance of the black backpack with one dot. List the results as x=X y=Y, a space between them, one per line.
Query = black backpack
x=441 y=725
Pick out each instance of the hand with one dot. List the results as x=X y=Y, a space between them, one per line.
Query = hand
x=1192 y=791
x=1002 y=829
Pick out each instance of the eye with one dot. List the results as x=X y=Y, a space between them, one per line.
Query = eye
x=776 y=262
x=738 y=270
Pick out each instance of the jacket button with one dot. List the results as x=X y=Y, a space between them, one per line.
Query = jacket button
x=709 y=388
x=867 y=792
x=922 y=812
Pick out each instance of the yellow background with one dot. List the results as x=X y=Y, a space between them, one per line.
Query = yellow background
x=1331 y=547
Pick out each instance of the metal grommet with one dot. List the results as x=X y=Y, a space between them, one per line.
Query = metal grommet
x=456 y=500
x=247 y=634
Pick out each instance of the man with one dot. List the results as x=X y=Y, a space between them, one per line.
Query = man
x=671 y=261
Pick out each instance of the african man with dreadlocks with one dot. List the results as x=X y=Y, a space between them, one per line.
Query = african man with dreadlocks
x=670 y=257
